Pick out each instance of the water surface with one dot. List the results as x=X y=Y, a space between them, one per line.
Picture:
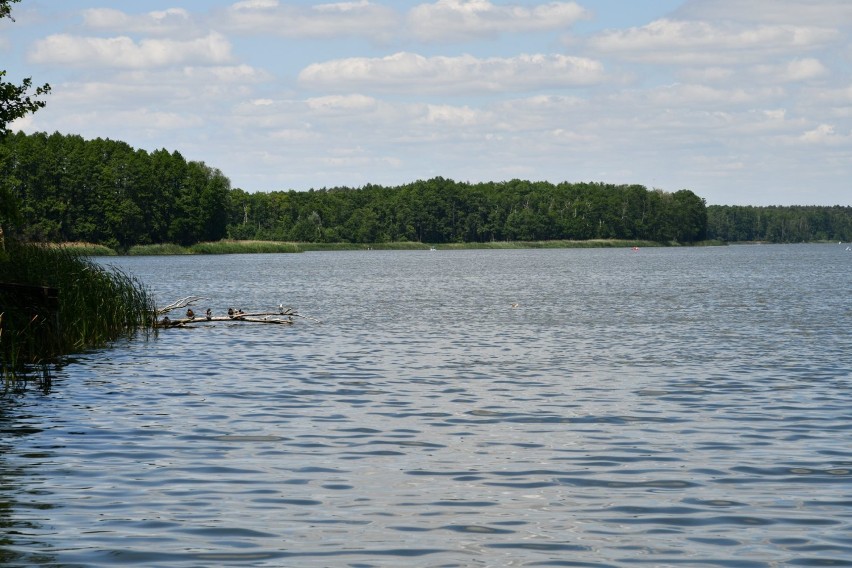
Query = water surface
x=665 y=407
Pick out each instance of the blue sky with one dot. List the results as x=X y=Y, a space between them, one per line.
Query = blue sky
x=741 y=102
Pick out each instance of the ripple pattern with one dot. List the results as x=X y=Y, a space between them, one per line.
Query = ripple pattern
x=668 y=408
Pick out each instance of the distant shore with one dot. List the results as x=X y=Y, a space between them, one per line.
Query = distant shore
x=252 y=247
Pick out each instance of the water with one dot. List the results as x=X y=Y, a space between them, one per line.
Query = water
x=666 y=407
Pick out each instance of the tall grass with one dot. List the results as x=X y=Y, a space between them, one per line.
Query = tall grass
x=591 y=243
x=243 y=247
x=86 y=249
x=96 y=306
x=162 y=249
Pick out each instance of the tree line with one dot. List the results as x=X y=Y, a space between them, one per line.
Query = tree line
x=441 y=210
x=106 y=192
x=792 y=224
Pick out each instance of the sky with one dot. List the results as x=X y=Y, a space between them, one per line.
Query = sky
x=743 y=103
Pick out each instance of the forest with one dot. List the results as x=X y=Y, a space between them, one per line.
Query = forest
x=106 y=192
x=792 y=224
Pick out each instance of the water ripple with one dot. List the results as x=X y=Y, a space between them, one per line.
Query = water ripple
x=678 y=407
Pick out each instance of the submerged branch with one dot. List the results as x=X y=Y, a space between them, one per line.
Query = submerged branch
x=178 y=304
x=282 y=316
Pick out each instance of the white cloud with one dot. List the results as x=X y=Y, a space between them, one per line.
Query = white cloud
x=702 y=96
x=142 y=120
x=829 y=13
x=169 y=21
x=691 y=42
x=123 y=52
x=463 y=19
x=413 y=73
x=822 y=134
x=796 y=70
x=341 y=103
x=804 y=69
x=319 y=21
x=255 y=4
x=451 y=115
x=708 y=74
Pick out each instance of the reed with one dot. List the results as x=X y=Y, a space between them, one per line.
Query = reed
x=591 y=243
x=95 y=306
x=244 y=247
x=160 y=249
x=86 y=249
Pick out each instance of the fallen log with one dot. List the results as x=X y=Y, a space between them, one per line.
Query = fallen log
x=283 y=316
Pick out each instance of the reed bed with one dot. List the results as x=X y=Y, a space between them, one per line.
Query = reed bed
x=244 y=247
x=95 y=306
x=591 y=243
x=160 y=249
x=86 y=249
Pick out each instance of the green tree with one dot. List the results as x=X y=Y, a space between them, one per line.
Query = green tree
x=14 y=100
x=14 y=103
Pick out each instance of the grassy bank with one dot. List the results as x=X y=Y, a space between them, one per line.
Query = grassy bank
x=593 y=243
x=249 y=247
x=85 y=249
x=92 y=307
x=258 y=247
x=218 y=247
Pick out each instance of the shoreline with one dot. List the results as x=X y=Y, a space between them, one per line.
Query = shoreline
x=267 y=247
x=228 y=246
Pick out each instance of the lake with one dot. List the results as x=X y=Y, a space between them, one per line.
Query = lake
x=662 y=407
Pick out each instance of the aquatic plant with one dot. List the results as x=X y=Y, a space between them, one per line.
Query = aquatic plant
x=87 y=249
x=54 y=302
x=591 y=243
x=243 y=247
x=160 y=249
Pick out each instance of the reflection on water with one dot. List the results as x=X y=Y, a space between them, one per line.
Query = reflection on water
x=668 y=407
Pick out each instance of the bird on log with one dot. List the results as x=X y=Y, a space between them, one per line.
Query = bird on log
x=281 y=315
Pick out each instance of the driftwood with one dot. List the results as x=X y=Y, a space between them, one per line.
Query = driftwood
x=282 y=316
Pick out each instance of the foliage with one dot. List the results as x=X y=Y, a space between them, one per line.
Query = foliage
x=14 y=100
x=95 y=306
x=793 y=224
x=14 y=103
x=105 y=192
x=443 y=211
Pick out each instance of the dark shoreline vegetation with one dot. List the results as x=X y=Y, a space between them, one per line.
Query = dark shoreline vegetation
x=94 y=306
x=108 y=193
x=227 y=246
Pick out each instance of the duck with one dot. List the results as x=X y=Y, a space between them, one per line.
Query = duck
x=230 y=312
x=190 y=314
x=209 y=314
x=166 y=321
